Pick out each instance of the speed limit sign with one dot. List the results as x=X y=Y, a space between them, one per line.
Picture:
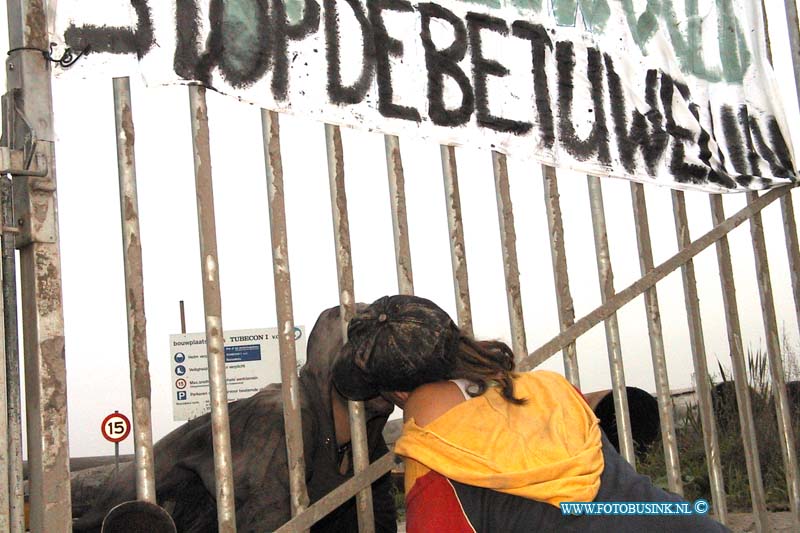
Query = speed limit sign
x=115 y=427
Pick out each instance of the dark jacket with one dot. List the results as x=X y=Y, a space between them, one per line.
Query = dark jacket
x=489 y=511
x=184 y=461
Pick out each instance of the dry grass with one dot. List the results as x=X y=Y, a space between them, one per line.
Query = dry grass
x=694 y=467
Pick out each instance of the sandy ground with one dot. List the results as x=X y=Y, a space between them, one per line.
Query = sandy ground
x=779 y=522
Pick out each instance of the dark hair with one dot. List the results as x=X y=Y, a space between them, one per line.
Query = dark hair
x=486 y=363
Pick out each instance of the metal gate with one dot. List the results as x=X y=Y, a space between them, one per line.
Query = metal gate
x=28 y=165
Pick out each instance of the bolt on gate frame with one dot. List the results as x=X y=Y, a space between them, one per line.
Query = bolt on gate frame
x=29 y=187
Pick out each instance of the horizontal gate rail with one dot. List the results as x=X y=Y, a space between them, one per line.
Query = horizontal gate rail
x=339 y=495
x=624 y=296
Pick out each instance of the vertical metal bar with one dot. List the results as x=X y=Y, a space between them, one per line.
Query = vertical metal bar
x=606 y=276
x=183 y=317
x=793 y=25
x=508 y=242
x=397 y=197
x=40 y=263
x=134 y=293
x=792 y=249
x=5 y=521
x=283 y=304
x=458 y=253
x=666 y=415
x=15 y=477
x=344 y=270
x=212 y=303
x=703 y=382
x=787 y=209
x=749 y=439
x=558 y=254
x=776 y=363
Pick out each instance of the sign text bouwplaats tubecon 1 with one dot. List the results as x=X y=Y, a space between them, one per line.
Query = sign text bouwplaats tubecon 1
x=677 y=92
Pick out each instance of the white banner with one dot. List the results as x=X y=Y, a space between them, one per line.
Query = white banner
x=252 y=361
x=677 y=92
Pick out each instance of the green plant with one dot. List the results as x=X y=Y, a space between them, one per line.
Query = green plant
x=689 y=438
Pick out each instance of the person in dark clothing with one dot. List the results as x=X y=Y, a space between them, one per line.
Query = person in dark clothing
x=184 y=461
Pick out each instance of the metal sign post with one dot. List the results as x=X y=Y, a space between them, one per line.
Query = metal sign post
x=115 y=428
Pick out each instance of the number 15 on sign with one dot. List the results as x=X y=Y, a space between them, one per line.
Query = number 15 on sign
x=115 y=428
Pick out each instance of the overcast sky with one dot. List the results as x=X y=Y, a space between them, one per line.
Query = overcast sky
x=94 y=299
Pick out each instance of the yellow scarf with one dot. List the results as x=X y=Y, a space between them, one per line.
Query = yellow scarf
x=547 y=450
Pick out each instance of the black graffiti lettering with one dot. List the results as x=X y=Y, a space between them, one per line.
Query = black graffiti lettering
x=189 y=63
x=779 y=144
x=482 y=68
x=441 y=63
x=752 y=156
x=597 y=141
x=116 y=39
x=337 y=92
x=733 y=140
x=721 y=177
x=187 y=30
x=238 y=36
x=682 y=171
x=540 y=41
x=667 y=95
x=777 y=166
x=283 y=32
x=651 y=143
x=704 y=142
x=386 y=47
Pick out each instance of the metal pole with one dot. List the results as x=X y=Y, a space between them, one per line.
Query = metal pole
x=794 y=39
x=5 y=519
x=40 y=260
x=606 y=276
x=792 y=249
x=183 y=317
x=283 y=304
x=458 y=254
x=626 y=295
x=743 y=401
x=397 y=194
x=666 y=415
x=703 y=382
x=116 y=459
x=344 y=269
x=223 y=470
x=558 y=254
x=782 y=410
x=134 y=293
x=787 y=209
x=15 y=477
x=508 y=242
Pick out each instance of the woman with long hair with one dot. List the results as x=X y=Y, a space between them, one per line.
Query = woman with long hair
x=490 y=449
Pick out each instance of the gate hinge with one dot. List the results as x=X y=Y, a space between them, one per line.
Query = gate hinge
x=34 y=198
